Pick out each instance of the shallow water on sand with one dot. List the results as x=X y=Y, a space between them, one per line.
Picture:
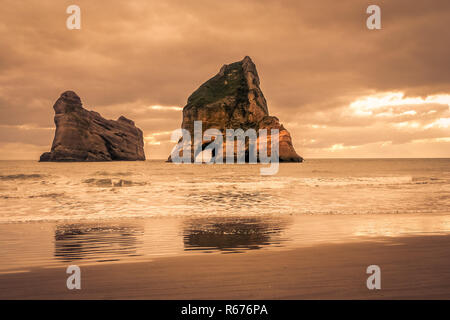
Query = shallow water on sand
x=54 y=213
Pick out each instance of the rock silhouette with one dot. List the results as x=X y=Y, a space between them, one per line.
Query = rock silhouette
x=83 y=135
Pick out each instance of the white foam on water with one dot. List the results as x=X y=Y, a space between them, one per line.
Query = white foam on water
x=31 y=191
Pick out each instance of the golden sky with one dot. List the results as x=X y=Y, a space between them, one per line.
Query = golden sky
x=340 y=89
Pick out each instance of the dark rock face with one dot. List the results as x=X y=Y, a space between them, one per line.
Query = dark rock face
x=83 y=135
x=232 y=99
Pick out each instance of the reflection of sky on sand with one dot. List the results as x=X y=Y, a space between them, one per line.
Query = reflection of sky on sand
x=309 y=230
x=418 y=225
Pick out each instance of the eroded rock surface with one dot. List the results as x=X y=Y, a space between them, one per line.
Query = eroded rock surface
x=232 y=99
x=83 y=135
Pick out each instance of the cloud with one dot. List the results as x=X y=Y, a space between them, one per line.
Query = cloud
x=382 y=122
x=314 y=59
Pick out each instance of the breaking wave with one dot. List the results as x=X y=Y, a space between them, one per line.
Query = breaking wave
x=21 y=176
x=47 y=195
x=53 y=192
x=108 y=182
x=104 y=173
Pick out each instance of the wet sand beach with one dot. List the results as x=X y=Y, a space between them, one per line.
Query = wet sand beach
x=411 y=268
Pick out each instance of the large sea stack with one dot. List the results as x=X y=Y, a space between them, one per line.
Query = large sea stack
x=83 y=135
x=232 y=99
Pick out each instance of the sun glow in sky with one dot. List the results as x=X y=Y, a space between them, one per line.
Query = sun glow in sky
x=401 y=125
x=396 y=105
x=368 y=105
x=167 y=108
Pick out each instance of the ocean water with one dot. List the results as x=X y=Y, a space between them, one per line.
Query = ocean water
x=99 y=212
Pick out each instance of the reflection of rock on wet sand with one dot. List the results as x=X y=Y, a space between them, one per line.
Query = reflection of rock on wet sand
x=102 y=243
x=232 y=234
